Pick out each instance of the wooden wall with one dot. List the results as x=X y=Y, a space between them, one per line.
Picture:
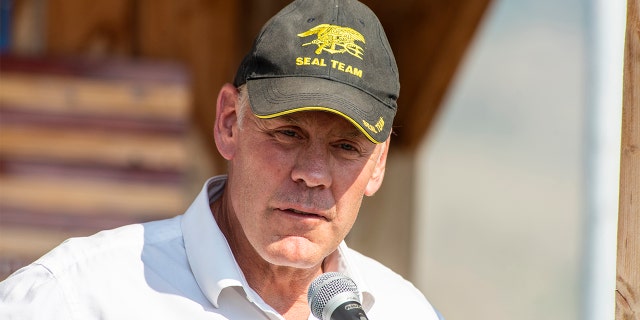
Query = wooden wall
x=199 y=34
x=87 y=145
x=628 y=264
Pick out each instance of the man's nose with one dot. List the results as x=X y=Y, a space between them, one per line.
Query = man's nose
x=313 y=166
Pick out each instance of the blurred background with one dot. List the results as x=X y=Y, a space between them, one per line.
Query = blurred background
x=518 y=177
x=500 y=197
x=502 y=169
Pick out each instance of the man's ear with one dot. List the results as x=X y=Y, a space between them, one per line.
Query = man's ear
x=378 y=172
x=226 y=123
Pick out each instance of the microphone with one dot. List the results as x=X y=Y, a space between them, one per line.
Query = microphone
x=334 y=296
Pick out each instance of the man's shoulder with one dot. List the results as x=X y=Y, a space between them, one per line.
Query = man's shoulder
x=107 y=246
x=376 y=273
x=119 y=272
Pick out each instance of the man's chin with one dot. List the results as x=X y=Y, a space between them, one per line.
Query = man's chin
x=294 y=253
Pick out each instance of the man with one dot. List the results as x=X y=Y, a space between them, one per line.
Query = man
x=305 y=129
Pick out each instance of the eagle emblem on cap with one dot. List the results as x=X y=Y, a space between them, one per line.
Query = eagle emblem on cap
x=335 y=39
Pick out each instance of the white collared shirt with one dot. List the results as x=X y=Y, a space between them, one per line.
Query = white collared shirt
x=179 y=268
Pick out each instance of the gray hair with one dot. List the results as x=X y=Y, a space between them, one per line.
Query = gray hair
x=243 y=103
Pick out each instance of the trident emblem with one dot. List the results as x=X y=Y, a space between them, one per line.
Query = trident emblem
x=335 y=39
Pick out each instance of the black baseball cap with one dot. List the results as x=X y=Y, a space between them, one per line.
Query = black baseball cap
x=329 y=55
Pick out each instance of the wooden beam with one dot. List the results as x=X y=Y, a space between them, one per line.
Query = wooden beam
x=429 y=39
x=200 y=34
x=93 y=28
x=628 y=264
x=255 y=14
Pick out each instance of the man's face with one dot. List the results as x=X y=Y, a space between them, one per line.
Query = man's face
x=296 y=183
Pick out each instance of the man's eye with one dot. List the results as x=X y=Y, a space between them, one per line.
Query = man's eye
x=289 y=133
x=347 y=146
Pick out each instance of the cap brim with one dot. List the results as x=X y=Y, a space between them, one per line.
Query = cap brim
x=273 y=97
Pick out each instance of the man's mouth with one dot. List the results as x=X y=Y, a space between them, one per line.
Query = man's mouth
x=304 y=213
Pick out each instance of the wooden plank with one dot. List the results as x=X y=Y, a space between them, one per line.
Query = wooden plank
x=27 y=26
x=628 y=264
x=145 y=151
x=20 y=245
x=92 y=28
x=108 y=68
x=30 y=243
x=95 y=97
x=89 y=197
x=72 y=222
x=204 y=35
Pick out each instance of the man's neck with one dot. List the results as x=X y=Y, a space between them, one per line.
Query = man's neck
x=283 y=288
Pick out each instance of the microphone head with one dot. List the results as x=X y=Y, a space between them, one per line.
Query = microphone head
x=328 y=291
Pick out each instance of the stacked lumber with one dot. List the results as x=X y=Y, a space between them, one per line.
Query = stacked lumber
x=85 y=146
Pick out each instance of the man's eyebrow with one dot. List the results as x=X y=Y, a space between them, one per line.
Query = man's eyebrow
x=355 y=133
x=288 y=118
x=292 y=119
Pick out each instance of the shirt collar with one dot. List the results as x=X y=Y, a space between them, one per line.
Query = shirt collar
x=208 y=252
x=212 y=262
x=339 y=261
